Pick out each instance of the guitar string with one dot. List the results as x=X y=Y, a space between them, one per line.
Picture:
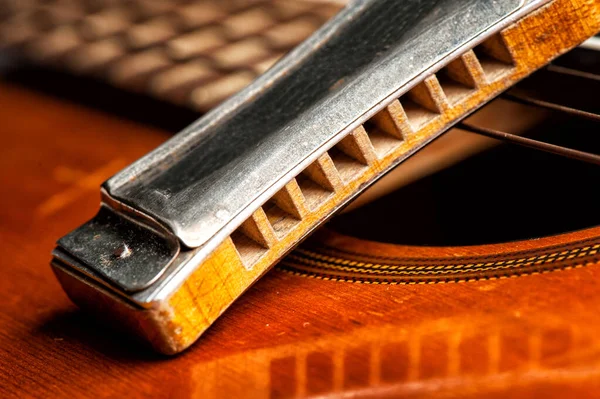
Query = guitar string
x=531 y=143
x=536 y=144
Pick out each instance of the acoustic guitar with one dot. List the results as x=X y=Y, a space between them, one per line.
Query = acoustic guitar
x=476 y=277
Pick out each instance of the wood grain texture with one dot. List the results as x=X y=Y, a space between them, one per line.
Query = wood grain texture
x=408 y=123
x=288 y=336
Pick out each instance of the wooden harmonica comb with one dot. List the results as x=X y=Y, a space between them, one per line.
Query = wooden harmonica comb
x=184 y=231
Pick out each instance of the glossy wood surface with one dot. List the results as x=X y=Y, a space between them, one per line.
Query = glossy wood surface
x=288 y=336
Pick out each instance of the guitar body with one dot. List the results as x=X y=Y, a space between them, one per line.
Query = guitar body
x=339 y=316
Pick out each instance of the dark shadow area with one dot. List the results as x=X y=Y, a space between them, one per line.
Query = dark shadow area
x=83 y=351
x=581 y=59
x=84 y=333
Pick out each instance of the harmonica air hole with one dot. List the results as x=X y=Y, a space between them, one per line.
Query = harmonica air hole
x=458 y=81
x=418 y=115
x=495 y=58
x=382 y=142
x=314 y=194
x=430 y=95
x=319 y=181
x=388 y=128
x=249 y=251
x=420 y=106
x=392 y=120
x=282 y=221
x=348 y=167
x=254 y=238
x=291 y=200
x=463 y=71
x=259 y=229
x=324 y=173
x=358 y=147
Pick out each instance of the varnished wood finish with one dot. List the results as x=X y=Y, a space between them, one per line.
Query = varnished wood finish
x=288 y=336
x=405 y=124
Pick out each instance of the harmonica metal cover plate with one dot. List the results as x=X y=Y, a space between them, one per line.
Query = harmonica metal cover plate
x=206 y=178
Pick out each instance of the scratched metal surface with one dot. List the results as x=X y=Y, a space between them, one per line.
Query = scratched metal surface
x=208 y=178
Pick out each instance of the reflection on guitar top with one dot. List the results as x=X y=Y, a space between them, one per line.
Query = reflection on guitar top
x=456 y=355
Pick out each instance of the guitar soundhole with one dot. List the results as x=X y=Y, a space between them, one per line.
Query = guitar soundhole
x=504 y=194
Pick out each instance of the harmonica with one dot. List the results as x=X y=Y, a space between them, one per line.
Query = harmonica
x=185 y=230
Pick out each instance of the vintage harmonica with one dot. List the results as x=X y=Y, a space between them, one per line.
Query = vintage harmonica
x=185 y=230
